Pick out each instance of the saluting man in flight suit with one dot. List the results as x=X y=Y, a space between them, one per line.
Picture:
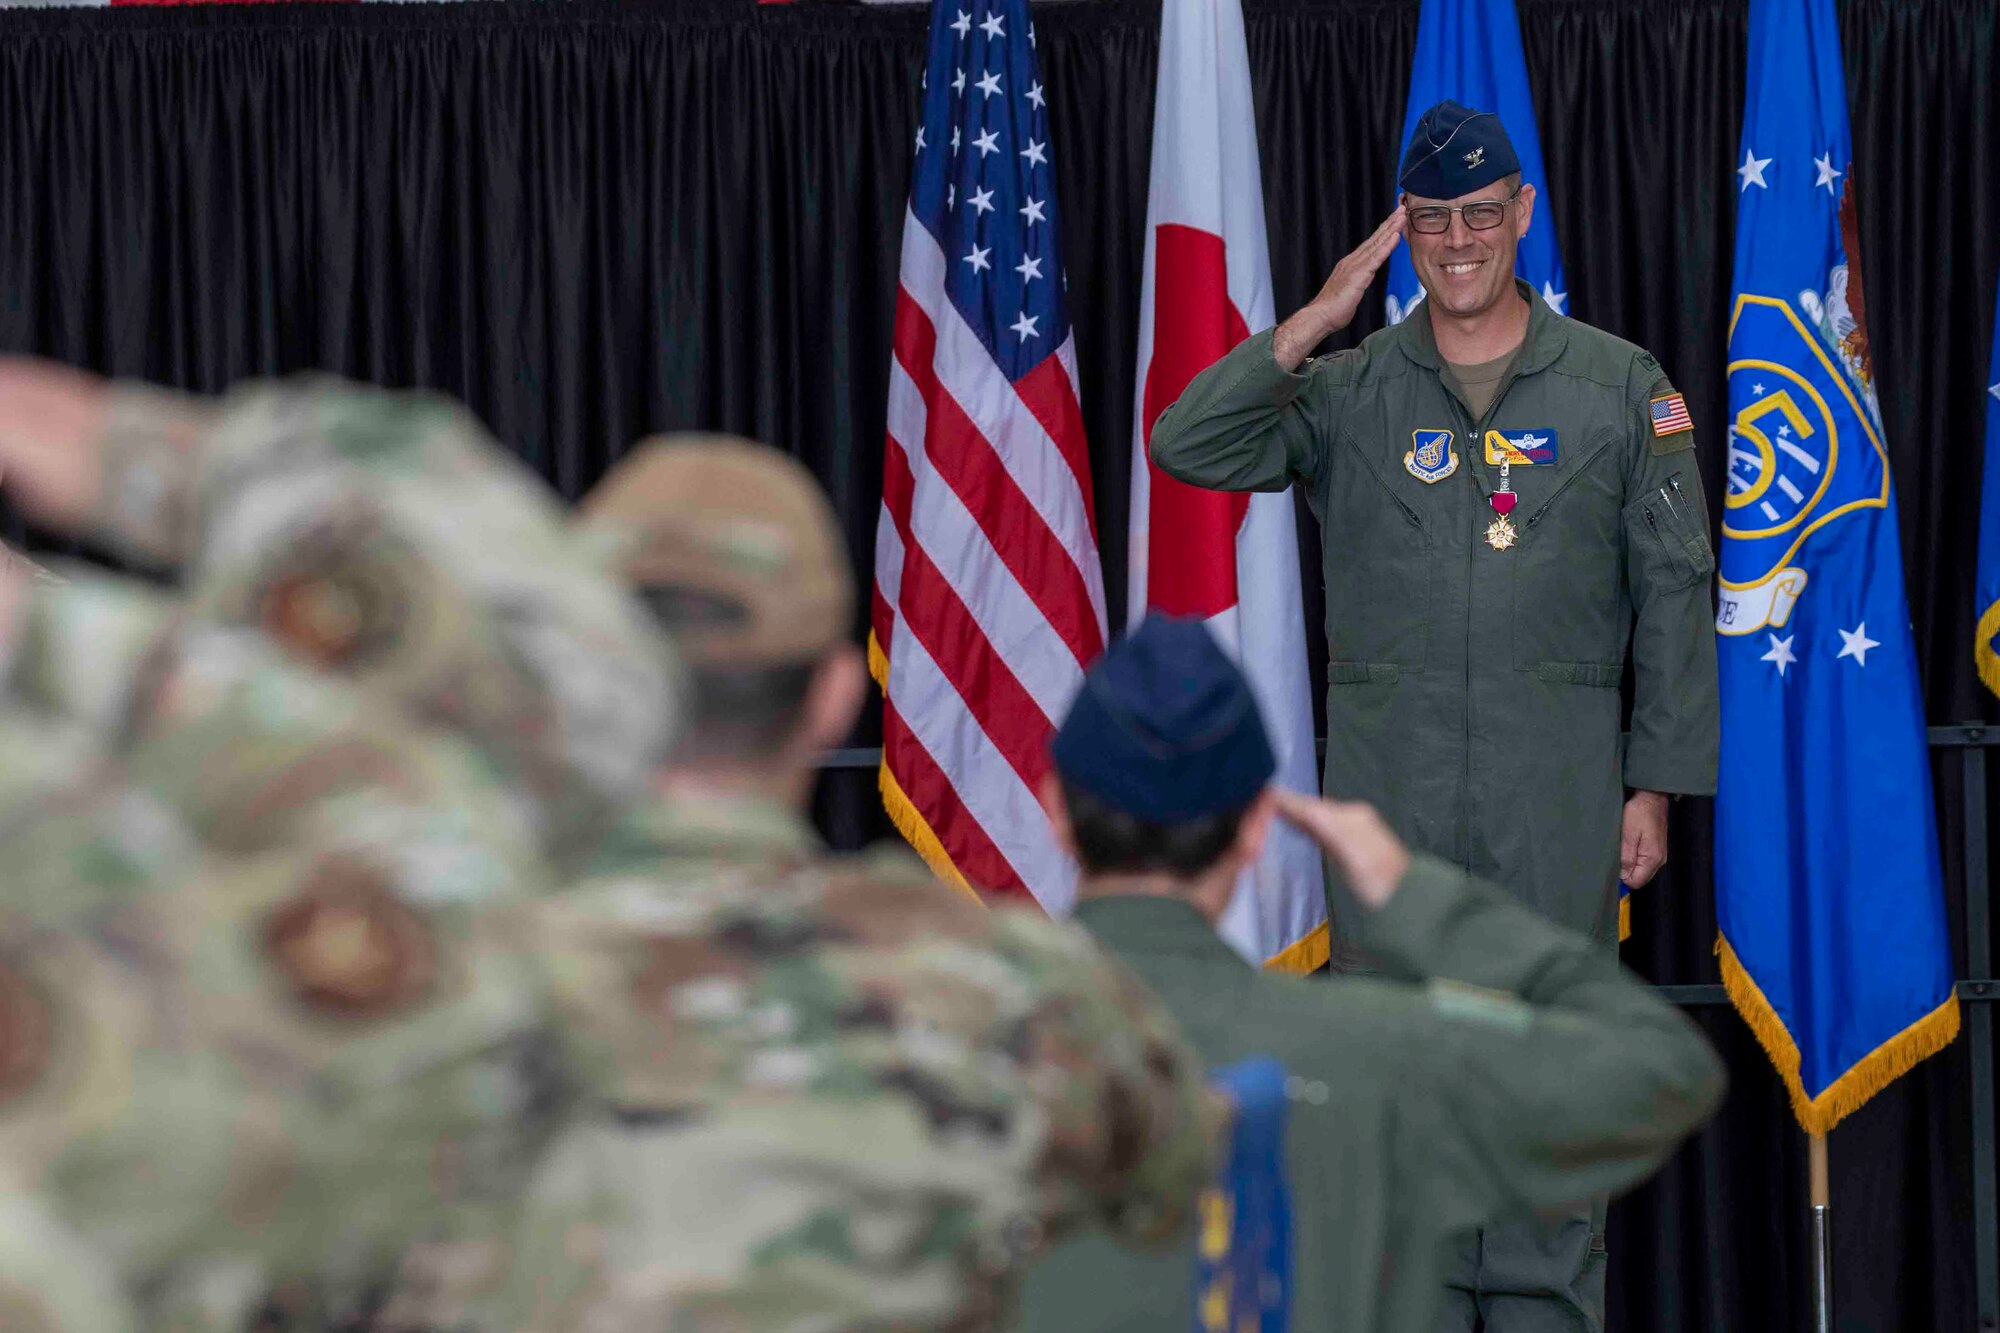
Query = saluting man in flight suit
x=1508 y=501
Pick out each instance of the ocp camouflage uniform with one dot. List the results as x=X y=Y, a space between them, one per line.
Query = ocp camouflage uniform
x=826 y=1093
x=316 y=1042
x=384 y=538
x=837 y=1098
x=267 y=1021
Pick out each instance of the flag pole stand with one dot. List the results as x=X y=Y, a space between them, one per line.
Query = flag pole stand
x=1822 y=1242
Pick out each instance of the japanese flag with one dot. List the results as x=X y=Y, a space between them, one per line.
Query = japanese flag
x=1231 y=560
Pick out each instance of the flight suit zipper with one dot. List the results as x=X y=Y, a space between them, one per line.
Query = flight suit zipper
x=1474 y=454
x=1574 y=472
x=1475 y=451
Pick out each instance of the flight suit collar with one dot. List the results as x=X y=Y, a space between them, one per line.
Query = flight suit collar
x=1149 y=924
x=1546 y=338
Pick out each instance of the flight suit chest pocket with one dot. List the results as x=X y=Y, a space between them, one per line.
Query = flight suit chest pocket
x=1566 y=567
x=1379 y=558
x=1667 y=546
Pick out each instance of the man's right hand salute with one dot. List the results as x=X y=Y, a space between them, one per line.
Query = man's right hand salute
x=1333 y=309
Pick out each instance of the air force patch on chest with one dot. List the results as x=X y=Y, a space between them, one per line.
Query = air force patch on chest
x=1522 y=448
x=1431 y=459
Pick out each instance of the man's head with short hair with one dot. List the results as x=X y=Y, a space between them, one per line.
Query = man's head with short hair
x=1162 y=769
x=1111 y=841
x=1460 y=169
x=737 y=553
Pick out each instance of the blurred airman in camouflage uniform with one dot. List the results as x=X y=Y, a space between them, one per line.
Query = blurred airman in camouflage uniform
x=266 y=1013
x=380 y=537
x=320 y=1041
x=830 y=1092
x=737 y=554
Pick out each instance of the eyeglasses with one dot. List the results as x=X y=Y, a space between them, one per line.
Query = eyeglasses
x=1480 y=215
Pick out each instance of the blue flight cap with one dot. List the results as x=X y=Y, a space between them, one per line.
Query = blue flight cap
x=1165 y=727
x=1456 y=150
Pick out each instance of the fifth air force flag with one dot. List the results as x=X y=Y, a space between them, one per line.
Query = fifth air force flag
x=1828 y=888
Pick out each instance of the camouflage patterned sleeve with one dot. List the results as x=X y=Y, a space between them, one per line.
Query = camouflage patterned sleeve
x=384 y=537
x=262 y=1023
x=838 y=1099
x=78 y=647
x=53 y=1280
x=154 y=446
x=1134 y=1127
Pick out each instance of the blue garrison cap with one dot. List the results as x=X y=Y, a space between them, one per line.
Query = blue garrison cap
x=1165 y=727
x=1456 y=150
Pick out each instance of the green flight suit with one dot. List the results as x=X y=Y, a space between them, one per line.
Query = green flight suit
x=1473 y=693
x=1537 y=1074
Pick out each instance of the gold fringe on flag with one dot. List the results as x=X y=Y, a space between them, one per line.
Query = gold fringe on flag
x=910 y=822
x=878 y=663
x=1874 y=1072
x=1304 y=955
x=1625 y=918
x=903 y=812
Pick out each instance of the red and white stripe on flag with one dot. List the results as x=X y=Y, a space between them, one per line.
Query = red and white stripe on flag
x=1231 y=560
x=989 y=598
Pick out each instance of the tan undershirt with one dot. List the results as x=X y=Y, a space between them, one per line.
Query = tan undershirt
x=1478 y=385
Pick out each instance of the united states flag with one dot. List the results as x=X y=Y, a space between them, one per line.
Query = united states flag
x=989 y=599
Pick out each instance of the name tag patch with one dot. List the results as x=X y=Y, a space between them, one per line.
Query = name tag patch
x=1455 y=1001
x=1431 y=458
x=1522 y=448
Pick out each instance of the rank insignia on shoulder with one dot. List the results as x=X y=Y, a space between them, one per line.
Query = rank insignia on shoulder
x=1522 y=448
x=1431 y=458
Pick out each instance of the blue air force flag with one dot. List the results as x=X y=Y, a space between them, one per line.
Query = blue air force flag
x=1986 y=645
x=1828 y=888
x=1470 y=51
x=1243 y=1237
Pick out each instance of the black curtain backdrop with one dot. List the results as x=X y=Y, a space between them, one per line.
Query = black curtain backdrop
x=595 y=220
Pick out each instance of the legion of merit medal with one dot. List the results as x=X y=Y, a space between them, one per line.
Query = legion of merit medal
x=1500 y=532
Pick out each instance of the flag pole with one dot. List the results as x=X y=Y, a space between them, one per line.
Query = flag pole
x=1822 y=1243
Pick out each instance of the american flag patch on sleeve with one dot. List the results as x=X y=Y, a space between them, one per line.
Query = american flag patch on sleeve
x=1670 y=414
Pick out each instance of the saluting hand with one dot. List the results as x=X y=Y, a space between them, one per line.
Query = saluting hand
x=1333 y=309
x=50 y=420
x=1370 y=856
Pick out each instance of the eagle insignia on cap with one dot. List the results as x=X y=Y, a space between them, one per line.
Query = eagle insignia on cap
x=1476 y=156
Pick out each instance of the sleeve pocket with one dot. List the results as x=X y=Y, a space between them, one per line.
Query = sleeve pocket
x=1665 y=550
